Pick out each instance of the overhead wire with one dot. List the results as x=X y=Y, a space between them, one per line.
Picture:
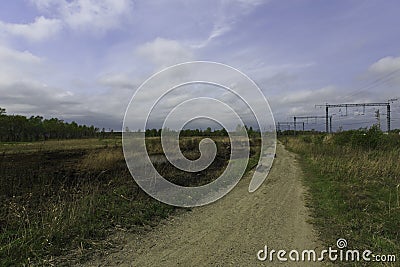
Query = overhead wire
x=378 y=81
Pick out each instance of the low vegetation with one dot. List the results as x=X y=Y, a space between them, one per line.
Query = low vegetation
x=354 y=180
x=64 y=198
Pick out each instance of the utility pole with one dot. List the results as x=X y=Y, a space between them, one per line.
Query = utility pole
x=326 y=117
x=286 y=123
x=280 y=124
x=388 y=111
x=295 y=118
x=378 y=118
x=295 y=124
x=387 y=104
x=388 y=117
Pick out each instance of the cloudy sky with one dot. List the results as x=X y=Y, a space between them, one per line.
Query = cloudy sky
x=82 y=60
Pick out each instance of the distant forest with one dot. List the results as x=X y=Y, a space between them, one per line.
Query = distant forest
x=200 y=132
x=17 y=128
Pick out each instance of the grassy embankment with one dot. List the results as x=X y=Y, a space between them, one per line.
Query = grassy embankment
x=67 y=197
x=354 y=180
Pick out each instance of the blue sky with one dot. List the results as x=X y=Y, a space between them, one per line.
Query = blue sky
x=82 y=60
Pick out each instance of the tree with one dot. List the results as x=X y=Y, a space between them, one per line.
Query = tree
x=15 y=128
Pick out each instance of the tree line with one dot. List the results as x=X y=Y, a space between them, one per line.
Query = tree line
x=16 y=128
x=200 y=132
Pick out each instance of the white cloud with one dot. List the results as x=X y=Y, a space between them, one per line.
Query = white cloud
x=118 y=81
x=7 y=54
x=79 y=15
x=17 y=66
x=39 y=30
x=229 y=13
x=26 y=90
x=31 y=98
x=44 y=5
x=20 y=84
x=386 y=73
x=386 y=65
x=309 y=96
x=98 y=16
x=302 y=102
x=163 y=52
x=219 y=29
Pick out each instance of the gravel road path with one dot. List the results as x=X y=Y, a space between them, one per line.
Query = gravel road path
x=232 y=230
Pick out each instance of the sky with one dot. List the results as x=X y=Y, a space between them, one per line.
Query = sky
x=82 y=60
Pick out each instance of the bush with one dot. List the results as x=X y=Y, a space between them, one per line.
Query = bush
x=343 y=138
x=367 y=139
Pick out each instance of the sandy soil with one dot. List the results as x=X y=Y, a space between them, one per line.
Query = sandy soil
x=232 y=230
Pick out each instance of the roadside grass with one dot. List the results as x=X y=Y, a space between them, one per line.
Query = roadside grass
x=63 y=199
x=354 y=189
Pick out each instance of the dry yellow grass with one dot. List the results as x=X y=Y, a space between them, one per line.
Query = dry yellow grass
x=101 y=160
x=57 y=145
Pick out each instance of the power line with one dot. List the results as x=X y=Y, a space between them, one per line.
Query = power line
x=383 y=79
x=283 y=123
x=295 y=118
x=352 y=105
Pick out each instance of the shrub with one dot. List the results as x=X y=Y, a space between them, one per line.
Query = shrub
x=367 y=139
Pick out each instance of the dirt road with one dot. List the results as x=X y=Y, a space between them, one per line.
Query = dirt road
x=232 y=230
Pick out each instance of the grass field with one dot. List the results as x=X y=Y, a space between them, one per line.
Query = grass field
x=64 y=198
x=354 y=181
x=57 y=145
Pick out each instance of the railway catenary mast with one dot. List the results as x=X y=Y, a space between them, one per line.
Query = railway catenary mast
x=383 y=104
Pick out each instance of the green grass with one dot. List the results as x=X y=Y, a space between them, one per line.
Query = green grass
x=61 y=198
x=354 y=190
